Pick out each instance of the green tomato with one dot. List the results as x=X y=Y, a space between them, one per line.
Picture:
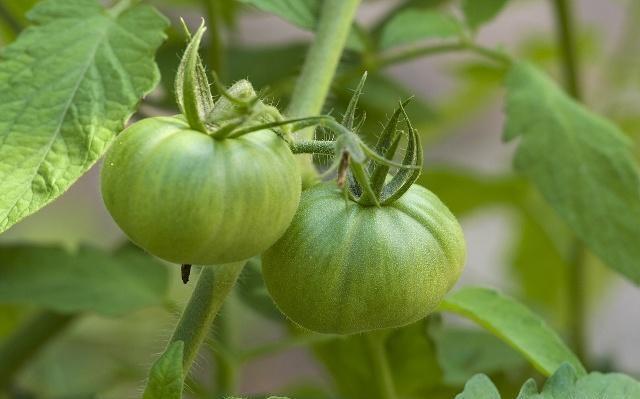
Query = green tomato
x=345 y=268
x=189 y=198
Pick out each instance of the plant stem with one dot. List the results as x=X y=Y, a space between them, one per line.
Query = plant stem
x=215 y=55
x=380 y=364
x=312 y=87
x=313 y=147
x=214 y=284
x=566 y=39
x=577 y=310
x=25 y=342
x=414 y=52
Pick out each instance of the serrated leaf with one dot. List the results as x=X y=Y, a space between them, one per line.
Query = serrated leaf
x=478 y=12
x=479 y=387
x=565 y=383
x=414 y=25
x=167 y=375
x=514 y=324
x=86 y=280
x=68 y=84
x=302 y=13
x=581 y=163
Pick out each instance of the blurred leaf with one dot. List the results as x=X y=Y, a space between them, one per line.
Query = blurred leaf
x=479 y=387
x=414 y=25
x=412 y=361
x=56 y=121
x=13 y=18
x=252 y=291
x=565 y=383
x=514 y=324
x=462 y=353
x=477 y=12
x=303 y=13
x=465 y=191
x=166 y=375
x=265 y=66
x=540 y=268
x=582 y=164
x=87 y=280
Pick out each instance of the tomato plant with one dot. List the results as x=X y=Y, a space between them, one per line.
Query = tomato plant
x=337 y=197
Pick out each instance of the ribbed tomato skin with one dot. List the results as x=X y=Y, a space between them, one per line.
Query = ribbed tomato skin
x=343 y=268
x=189 y=198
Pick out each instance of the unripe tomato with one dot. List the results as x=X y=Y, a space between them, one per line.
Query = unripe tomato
x=345 y=268
x=189 y=198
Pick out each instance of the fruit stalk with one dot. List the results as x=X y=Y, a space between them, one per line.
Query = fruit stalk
x=214 y=284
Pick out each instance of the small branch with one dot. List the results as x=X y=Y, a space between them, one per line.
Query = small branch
x=411 y=53
x=27 y=340
x=313 y=147
x=214 y=284
x=380 y=364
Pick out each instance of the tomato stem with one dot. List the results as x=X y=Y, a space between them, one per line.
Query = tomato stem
x=312 y=87
x=375 y=342
x=326 y=147
x=214 y=285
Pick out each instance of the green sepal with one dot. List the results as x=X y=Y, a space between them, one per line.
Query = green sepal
x=405 y=177
x=192 y=86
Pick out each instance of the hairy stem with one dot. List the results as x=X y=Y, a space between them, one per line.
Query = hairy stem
x=313 y=147
x=27 y=340
x=577 y=279
x=312 y=87
x=214 y=284
x=215 y=55
x=380 y=365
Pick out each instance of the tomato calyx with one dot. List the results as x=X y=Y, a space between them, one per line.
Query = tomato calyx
x=363 y=172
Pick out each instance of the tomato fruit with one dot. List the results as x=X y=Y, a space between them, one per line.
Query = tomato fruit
x=345 y=268
x=189 y=198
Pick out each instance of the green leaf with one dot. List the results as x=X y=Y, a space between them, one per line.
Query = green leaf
x=303 y=13
x=479 y=387
x=87 y=280
x=68 y=85
x=581 y=163
x=412 y=360
x=462 y=353
x=166 y=376
x=565 y=383
x=514 y=324
x=478 y=12
x=414 y=25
